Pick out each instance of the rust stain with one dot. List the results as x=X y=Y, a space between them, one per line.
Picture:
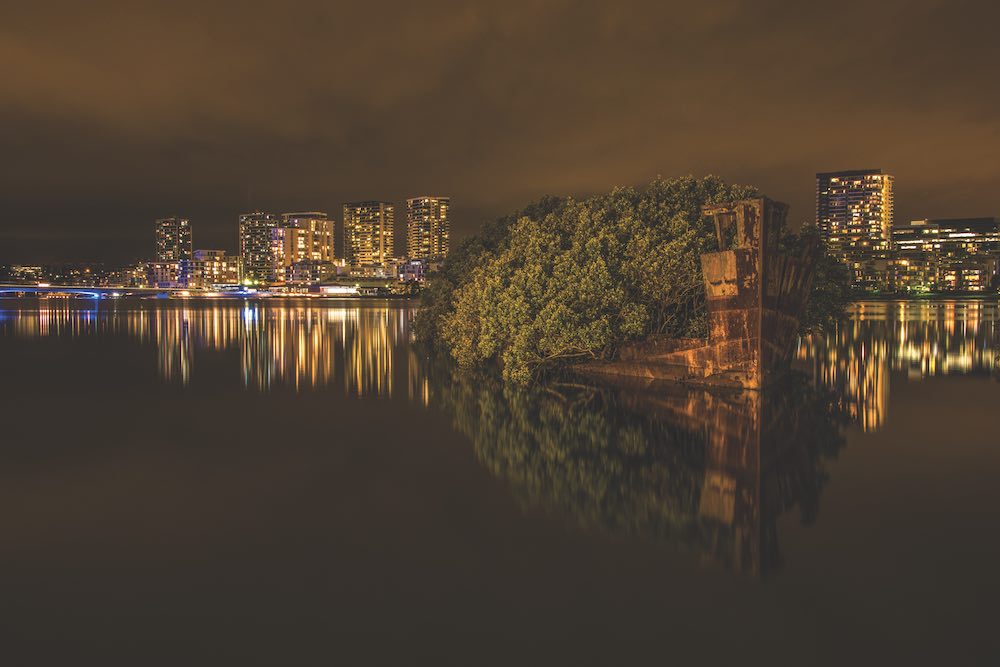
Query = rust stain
x=755 y=298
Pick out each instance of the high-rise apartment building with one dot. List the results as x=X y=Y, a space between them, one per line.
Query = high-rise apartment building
x=427 y=227
x=854 y=212
x=302 y=237
x=368 y=233
x=173 y=239
x=255 y=246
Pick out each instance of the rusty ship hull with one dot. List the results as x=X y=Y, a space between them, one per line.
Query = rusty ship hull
x=755 y=297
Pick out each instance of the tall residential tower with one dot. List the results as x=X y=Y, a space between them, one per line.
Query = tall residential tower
x=302 y=237
x=255 y=246
x=368 y=233
x=854 y=215
x=427 y=227
x=173 y=239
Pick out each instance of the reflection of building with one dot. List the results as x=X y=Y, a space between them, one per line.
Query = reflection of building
x=427 y=227
x=173 y=239
x=255 y=246
x=172 y=334
x=418 y=382
x=853 y=360
x=854 y=212
x=918 y=338
x=357 y=348
x=946 y=255
x=368 y=233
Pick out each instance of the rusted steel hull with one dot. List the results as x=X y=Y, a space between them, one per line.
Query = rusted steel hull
x=755 y=298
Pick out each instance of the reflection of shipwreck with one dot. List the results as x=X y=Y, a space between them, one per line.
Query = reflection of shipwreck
x=757 y=464
x=755 y=293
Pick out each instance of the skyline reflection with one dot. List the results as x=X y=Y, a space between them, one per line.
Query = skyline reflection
x=712 y=472
x=361 y=346
x=301 y=346
x=921 y=339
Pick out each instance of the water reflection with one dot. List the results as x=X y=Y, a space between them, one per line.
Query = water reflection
x=660 y=463
x=920 y=339
x=301 y=346
x=712 y=472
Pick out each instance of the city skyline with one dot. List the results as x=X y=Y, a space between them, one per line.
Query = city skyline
x=496 y=106
x=854 y=214
x=560 y=332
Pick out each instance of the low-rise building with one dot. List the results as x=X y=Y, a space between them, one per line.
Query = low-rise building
x=130 y=275
x=310 y=272
x=24 y=274
x=163 y=274
x=209 y=268
x=414 y=270
x=945 y=255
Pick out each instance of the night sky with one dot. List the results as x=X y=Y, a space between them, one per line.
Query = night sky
x=115 y=113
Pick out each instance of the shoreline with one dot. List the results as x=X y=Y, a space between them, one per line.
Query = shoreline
x=78 y=296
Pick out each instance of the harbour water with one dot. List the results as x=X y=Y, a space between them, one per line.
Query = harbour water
x=227 y=482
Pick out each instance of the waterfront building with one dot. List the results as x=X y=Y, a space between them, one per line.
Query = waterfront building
x=310 y=272
x=130 y=275
x=173 y=239
x=209 y=268
x=24 y=274
x=854 y=214
x=427 y=227
x=369 y=234
x=78 y=274
x=255 y=246
x=414 y=270
x=946 y=255
x=163 y=274
x=301 y=237
x=914 y=263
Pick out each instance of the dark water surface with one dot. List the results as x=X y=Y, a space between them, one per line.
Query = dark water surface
x=292 y=483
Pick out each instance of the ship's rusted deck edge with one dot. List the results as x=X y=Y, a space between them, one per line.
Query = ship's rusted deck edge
x=755 y=296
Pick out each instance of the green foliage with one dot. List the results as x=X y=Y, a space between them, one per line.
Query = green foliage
x=567 y=280
x=831 y=290
x=580 y=453
x=437 y=298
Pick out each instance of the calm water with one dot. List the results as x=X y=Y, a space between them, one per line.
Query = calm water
x=293 y=483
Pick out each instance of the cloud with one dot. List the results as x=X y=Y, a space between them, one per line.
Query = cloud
x=115 y=112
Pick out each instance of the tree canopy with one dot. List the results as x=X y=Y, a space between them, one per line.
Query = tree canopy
x=566 y=280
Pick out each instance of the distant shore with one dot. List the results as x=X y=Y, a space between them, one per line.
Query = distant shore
x=82 y=293
x=940 y=296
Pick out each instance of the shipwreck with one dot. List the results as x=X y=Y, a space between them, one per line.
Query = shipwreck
x=755 y=296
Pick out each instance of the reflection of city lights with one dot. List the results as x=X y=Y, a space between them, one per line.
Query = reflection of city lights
x=359 y=347
x=292 y=345
x=922 y=339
